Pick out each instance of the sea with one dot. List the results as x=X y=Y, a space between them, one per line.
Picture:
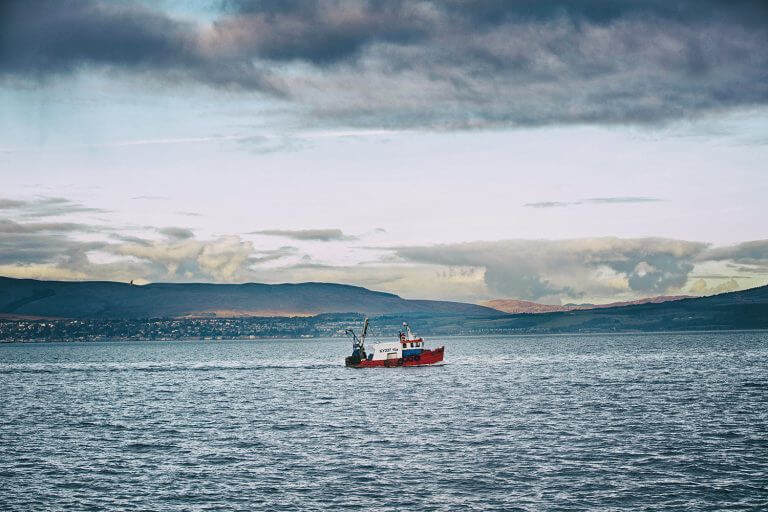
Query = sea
x=592 y=422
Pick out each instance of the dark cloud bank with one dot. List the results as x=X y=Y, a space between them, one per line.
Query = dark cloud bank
x=446 y=64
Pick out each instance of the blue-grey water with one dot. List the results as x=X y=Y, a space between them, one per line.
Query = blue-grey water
x=645 y=422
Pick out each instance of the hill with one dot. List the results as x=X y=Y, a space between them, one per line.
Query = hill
x=515 y=306
x=746 y=309
x=21 y=298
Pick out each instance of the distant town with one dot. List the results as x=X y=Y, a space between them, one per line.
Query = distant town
x=238 y=328
x=169 y=329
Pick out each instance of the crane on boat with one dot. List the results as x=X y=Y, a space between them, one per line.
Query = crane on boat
x=358 y=344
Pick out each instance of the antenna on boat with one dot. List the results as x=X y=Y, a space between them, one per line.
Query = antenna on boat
x=408 y=330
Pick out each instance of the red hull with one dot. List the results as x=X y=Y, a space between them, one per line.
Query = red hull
x=426 y=358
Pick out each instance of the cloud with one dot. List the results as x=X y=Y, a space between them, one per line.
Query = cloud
x=320 y=235
x=7 y=204
x=130 y=239
x=272 y=254
x=57 y=250
x=321 y=32
x=550 y=269
x=428 y=64
x=36 y=246
x=45 y=207
x=700 y=287
x=47 y=249
x=42 y=271
x=746 y=253
x=9 y=226
x=223 y=259
x=176 y=233
x=219 y=259
x=57 y=255
x=45 y=243
x=551 y=204
x=594 y=200
x=50 y=38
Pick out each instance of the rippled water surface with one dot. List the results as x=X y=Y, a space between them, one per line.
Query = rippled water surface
x=557 y=423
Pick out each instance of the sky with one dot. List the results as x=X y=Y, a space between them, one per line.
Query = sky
x=541 y=150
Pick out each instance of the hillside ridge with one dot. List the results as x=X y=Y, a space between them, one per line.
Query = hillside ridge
x=108 y=299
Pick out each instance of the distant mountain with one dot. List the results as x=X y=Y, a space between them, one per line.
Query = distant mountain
x=103 y=299
x=746 y=309
x=515 y=306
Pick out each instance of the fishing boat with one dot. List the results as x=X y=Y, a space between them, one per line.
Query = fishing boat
x=408 y=350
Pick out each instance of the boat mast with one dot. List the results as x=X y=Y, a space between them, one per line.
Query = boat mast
x=362 y=336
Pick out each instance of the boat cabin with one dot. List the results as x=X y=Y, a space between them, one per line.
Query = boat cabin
x=411 y=345
x=408 y=345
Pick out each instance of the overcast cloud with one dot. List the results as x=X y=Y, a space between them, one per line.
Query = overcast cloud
x=400 y=63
